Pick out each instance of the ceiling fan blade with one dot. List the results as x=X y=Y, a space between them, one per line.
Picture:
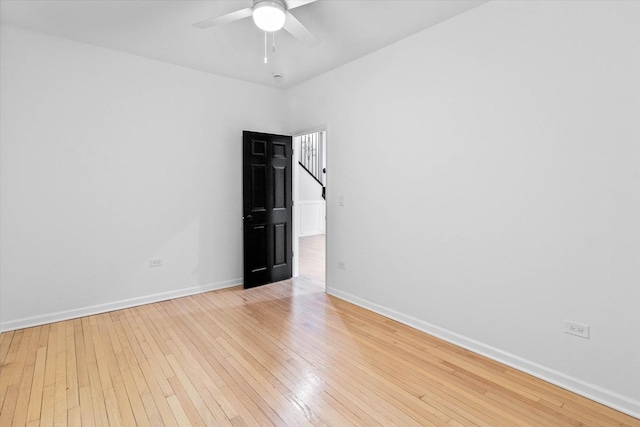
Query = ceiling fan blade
x=225 y=19
x=299 y=31
x=292 y=4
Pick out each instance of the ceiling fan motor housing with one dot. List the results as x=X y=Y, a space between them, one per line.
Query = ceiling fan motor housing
x=269 y=15
x=281 y=3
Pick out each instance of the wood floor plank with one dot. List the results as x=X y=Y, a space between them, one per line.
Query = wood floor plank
x=35 y=399
x=73 y=396
x=185 y=406
x=99 y=353
x=74 y=417
x=80 y=352
x=48 y=390
x=8 y=408
x=5 y=341
x=7 y=366
x=178 y=412
x=152 y=350
x=92 y=396
x=87 y=418
x=60 y=386
x=206 y=405
x=282 y=354
x=111 y=405
x=128 y=365
x=22 y=400
x=193 y=365
x=119 y=391
x=162 y=405
x=26 y=378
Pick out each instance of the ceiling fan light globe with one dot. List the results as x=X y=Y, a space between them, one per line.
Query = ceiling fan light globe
x=269 y=16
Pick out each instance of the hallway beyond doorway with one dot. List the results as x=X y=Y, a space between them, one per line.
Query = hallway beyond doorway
x=312 y=259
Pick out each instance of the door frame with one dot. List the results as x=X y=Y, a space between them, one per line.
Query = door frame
x=296 y=200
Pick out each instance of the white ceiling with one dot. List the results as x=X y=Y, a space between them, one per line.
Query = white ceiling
x=162 y=30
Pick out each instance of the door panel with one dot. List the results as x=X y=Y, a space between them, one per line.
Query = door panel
x=267 y=208
x=259 y=191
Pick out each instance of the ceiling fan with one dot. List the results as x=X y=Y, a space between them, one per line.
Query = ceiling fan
x=269 y=16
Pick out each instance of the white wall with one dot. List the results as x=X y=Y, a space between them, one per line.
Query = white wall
x=501 y=194
x=109 y=160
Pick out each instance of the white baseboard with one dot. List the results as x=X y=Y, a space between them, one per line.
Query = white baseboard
x=27 y=322
x=606 y=397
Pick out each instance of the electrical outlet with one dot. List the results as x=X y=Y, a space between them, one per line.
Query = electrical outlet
x=341 y=201
x=342 y=265
x=155 y=263
x=576 y=329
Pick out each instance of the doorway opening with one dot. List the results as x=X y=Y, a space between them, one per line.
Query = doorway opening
x=310 y=179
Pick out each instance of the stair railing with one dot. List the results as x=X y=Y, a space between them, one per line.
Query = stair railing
x=311 y=156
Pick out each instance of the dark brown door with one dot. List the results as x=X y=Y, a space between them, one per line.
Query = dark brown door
x=267 y=205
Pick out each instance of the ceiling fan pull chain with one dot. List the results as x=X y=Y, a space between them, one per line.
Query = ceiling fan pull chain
x=273 y=42
x=265 y=47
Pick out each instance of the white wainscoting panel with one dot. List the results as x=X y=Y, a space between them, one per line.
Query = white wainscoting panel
x=312 y=214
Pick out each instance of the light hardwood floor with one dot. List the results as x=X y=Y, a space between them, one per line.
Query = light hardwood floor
x=312 y=259
x=282 y=354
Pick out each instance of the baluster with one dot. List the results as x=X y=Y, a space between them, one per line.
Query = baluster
x=315 y=155
x=320 y=157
